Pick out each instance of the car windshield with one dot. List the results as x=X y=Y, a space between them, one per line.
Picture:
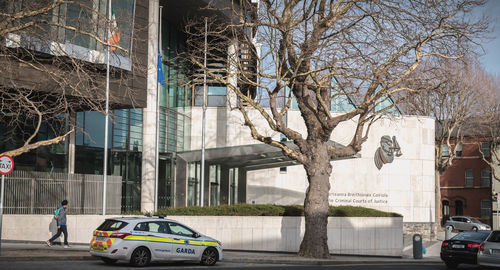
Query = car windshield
x=495 y=237
x=474 y=220
x=112 y=225
x=471 y=236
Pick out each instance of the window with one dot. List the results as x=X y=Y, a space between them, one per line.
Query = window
x=194 y=175
x=446 y=208
x=485 y=149
x=494 y=237
x=112 y=225
x=216 y=96
x=445 y=150
x=180 y=230
x=468 y=236
x=158 y=227
x=485 y=177
x=143 y=227
x=214 y=185
x=458 y=150
x=85 y=16
x=233 y=182
x=485 y=208
x=459 y=209
x=469 y=178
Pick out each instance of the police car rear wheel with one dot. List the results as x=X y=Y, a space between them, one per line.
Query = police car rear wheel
x=140 y=257
x=209 y=256
x=108 y=260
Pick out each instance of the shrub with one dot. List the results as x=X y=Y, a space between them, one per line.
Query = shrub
x=270 y=210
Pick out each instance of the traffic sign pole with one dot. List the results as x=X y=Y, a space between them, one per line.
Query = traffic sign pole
x=1 y=210
x=6 y=167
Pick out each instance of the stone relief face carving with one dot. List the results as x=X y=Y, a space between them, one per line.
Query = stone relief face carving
x=387 y=150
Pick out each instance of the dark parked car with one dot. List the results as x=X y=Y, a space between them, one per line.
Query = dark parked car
x=462 y=248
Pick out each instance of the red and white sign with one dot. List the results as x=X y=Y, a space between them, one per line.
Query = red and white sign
x=6 y=164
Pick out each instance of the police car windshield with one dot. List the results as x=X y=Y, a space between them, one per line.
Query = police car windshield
x=112 y=225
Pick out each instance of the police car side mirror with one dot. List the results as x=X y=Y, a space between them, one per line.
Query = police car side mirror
x=196 y=235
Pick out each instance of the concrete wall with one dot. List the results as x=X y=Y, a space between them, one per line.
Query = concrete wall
x=346 y=235
x=405 y=186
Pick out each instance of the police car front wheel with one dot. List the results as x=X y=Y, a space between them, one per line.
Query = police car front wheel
x=209 y=256
x=140 y=257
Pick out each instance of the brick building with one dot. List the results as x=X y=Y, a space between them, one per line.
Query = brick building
x=466 y=185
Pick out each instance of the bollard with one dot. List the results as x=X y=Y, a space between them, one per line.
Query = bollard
x=417 y=246
x=447 y=232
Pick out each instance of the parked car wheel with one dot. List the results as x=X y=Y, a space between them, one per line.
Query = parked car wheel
x=209 y=256
x=108 y=260
x=451 y=265
x=140 y=257
x=474 y=229
x=452 y=228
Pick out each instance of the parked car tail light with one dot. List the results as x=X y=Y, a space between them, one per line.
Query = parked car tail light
x=473 y=245
x=444 y=244
x=119 y=235
x=481 y=247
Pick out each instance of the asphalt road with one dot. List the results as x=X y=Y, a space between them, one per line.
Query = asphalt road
x=54 y=265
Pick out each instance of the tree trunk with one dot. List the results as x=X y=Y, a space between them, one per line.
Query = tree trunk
x=437 y=204
x=316 y=208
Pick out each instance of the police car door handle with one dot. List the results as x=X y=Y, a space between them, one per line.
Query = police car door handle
x=150 y=235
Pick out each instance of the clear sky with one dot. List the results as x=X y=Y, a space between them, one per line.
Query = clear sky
x=491 y=60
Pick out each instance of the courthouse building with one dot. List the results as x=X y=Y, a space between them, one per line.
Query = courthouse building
x=393 y=172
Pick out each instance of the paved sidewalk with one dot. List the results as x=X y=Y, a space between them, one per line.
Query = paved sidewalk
x=17 y=251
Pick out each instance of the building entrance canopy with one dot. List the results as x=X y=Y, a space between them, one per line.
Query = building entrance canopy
x=248 y=157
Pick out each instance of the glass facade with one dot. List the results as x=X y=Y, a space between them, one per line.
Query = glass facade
x=176 y=92
x=233 y=185
x=166 y=184
x=88 y=18
x=175 y=96
x=339 y=102
x=125 y=157
x=194 y=176
x=216 y=96
x=51 y=158
x=214 y=185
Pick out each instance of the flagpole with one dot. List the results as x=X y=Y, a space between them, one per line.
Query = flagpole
x=157 y=151
x=204 y=116
x=106 y=124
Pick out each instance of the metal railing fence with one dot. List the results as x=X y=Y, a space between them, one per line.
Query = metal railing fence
x=30 y=192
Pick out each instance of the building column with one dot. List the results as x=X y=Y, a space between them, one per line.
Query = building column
x=149 y=115
x=71 y=144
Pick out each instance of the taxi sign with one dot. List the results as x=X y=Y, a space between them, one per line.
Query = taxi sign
x=6 y=164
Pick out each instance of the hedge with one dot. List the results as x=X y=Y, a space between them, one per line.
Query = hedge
x=270 y=210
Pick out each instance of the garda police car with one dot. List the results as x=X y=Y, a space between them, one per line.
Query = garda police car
x=142 y=240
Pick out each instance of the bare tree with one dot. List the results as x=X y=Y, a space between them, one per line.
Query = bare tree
x=452 y=92
x=52 y=64
x=315 y=51
x=488 y=122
